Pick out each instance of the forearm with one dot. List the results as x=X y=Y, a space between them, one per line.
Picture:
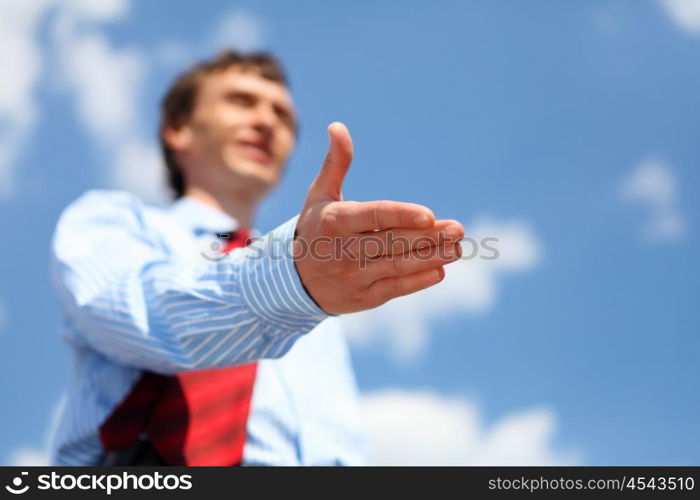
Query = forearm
x=168 y=316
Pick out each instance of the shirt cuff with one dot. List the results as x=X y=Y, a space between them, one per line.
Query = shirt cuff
x=271 y=285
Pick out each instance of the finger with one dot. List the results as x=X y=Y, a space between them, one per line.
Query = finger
x=411 y=262
x=398 y=241
x=390 y=288
x=328 y=184
x=360 y=217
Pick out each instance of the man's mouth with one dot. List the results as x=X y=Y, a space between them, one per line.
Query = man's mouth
x=256 y=150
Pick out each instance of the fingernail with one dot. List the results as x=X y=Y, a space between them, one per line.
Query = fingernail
x=421 y=220
x=452 y=232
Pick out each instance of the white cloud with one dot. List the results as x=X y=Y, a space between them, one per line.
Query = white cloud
x=20 y=59
x=653 y=184
x=27 y=456
x=425 y=428
x=139 y=168
x=684 y=13
x=240 y=30
x=105 y=80
x=106 y=83
x=98 y=10
x=470 y=286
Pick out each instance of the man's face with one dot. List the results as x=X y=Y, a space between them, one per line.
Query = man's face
x=242 y=130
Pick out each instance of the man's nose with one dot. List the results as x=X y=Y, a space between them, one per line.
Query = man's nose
x=265 y=116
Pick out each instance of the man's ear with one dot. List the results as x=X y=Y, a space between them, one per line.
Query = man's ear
x=177 y=138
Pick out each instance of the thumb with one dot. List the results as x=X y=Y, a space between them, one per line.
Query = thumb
x=329 y=181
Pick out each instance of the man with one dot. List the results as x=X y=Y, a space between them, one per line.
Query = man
x=185 y=355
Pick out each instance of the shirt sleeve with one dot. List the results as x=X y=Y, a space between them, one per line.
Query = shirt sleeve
x=126 y=295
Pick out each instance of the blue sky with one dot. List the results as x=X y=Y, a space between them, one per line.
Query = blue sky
x=569 y=130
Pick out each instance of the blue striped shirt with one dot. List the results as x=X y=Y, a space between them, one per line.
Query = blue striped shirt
x=143 y=288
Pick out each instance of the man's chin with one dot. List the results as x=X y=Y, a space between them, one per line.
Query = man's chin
x=258 y=175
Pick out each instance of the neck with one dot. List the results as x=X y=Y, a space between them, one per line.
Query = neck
x=236 y=204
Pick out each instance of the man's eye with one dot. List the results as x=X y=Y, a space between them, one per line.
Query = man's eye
x=285 y=116
x=240 y=99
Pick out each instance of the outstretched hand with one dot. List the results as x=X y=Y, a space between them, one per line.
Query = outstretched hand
x=353 y=256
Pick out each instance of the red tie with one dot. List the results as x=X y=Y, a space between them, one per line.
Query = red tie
x=192 y=418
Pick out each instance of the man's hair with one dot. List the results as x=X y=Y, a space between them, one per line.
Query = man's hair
x=179 y=101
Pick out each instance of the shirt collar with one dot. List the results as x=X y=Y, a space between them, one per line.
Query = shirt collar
x=202 y=217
